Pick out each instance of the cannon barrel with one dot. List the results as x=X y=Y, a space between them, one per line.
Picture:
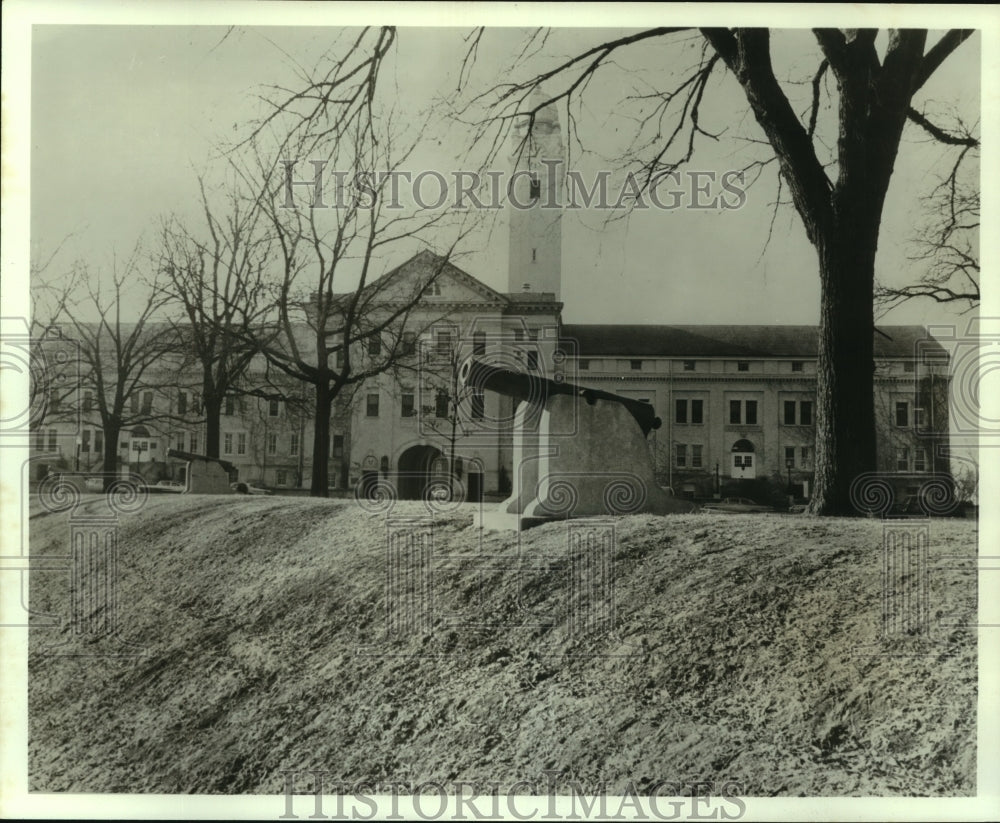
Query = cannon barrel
x=532 y=387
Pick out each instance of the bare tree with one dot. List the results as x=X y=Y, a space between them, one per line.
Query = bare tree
x=841 y=213
x=947 y=244
x=51 y=294
x=453 y=406
x=335 y=322
x=123 y=360
x=216 y=277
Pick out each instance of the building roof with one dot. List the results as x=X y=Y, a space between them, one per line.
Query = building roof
x=730 y=341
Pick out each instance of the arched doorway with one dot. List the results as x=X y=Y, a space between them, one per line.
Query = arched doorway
x=743 y=460
x=415 y=470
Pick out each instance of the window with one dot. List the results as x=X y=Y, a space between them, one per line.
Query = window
x=147 y=402
x=743 y=365
x=374 y=345
x=584 y=365
x=52 y=440
x=409 y=342
x=98 y=441
x=85 y=443
x=689 y=365
x=533 y=360
x=40 y=440
x=902 y=414
x=796 y=365
x=230 y=406
x=743 y=411
x=479 y=343
x=805 y=455
x=518 y=335
x=696 y=457
x=134 y=403
x=338 y=446
x=681 y=411
x=280 y=477
x=444 y=343
x=339 y=359
x=805 y=413
x=182 y=402
x=272 y=408
x=241 y=443
x=88 y=401
x=918 y=418
x=227 y=443
x=478 y=405
x=789 y=455
x=272 y=444
x=371 y=406
x=789 y=412
x=635 y=365
x=920 y=460
x=293 y=445
x=194 y=443
x=196 y=403
x=681 y=453
x=441 y=404
x=902 y=459
x=908 y=366
x=408 y=409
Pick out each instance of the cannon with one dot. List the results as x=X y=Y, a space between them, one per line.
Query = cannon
x=576 y=451
x=477 y=374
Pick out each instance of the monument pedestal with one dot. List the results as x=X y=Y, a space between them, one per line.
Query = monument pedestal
x=576 y=457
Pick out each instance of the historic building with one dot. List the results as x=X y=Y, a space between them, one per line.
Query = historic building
x=737 y=403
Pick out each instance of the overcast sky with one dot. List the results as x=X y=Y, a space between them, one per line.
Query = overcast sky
x=123 y=117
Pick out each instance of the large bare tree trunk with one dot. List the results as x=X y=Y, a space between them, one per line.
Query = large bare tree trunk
x=845 y=411
x=320 y=486
x=213 y=425
x=110 y=468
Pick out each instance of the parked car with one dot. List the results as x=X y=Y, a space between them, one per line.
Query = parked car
x=737 y=505
x=246 y=488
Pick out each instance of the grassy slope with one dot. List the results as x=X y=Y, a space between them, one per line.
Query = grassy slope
x=745 y=648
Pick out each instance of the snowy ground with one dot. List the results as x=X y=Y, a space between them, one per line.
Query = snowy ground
x=253 y=641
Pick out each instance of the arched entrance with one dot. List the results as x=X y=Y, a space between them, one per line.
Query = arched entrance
x=416 y=469
x=743 y=460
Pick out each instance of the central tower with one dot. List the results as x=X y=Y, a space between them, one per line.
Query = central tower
x=535 y=201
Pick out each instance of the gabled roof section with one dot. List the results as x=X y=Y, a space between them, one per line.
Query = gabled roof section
x=732 y=341
x=464 y=287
